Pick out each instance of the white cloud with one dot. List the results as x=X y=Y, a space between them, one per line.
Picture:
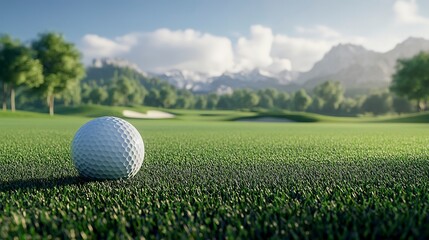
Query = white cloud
x=190 y=50
x=407 y=12
x=302 y=52
x=278 y=65
x=164 y=50
x=254 y=52
x=96 y=46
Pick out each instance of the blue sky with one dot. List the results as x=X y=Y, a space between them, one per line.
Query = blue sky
x=99 y=28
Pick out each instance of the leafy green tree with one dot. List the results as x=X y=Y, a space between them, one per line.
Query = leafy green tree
x=411 y=79
x=402 y=105
x=378 y=104
x=61 y=65
x=185 y=99
x=225 y=102
x=283 y=100
x=18 y=68
x=153 y=98
x=201 y=102
x=267 y=97
x=266 y=101
x=332 y=94
x=251 y=99
x=72 y=96
x=302 y=100
x=349 y=106
x=212 y=100
x=317 y=105
x=85 y=92
x=123 y=88
x=271 y=92
x=139 y=95
x=98 y=95
x=167 y=97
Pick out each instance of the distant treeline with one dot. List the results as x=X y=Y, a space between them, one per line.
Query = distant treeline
x=50 y=69
x=118 y=86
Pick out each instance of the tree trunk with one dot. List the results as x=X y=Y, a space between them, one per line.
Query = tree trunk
x=426 y=104
x=4 y=96
x=421 y=105
x=51 y=105
x=12 y=98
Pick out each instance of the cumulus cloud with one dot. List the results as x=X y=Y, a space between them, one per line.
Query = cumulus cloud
x=407 y=11
x=165 y=49
x=190 y=50
x=302 y=52
x=96 y=46
x=254 y=52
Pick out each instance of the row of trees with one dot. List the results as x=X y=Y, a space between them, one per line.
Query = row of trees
x=125 y=87
x=50 y=66
x=327 y=98
x=410 y=86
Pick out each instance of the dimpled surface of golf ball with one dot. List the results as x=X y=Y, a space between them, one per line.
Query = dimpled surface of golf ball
x=107 y=148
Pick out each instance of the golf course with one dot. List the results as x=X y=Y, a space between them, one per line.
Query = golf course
x=208 y=176
x=190 y=120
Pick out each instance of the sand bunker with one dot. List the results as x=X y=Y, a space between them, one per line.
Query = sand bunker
x=265 y=119
x=151 y=114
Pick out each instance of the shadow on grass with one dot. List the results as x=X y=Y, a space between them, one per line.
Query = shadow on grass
x=42 y=183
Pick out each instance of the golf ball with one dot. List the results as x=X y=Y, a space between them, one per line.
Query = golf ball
x=107 y=148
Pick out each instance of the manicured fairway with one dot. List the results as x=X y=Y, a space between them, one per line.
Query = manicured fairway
x=221 y=179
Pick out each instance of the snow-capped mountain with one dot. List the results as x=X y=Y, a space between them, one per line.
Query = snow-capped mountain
x=183 y=78
x=225 y=83
x=352 y=65
x=356 y=67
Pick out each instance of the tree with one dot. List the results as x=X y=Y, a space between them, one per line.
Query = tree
x=379 y=103
x=402 y=105
x=283 y=100
x=271 y=92
x=244 y=98
x=4 y=42
x=18 y=67
x=61 y=65
x=185 y=99
x=266 y=101
x=301 y=100
x=125 y=88
x=201 y=102
x=167 y=97
x=349 y=106
x=225 y=102
x=411 y=79
x=153 y=98
x=332 y=94
x=98 y=95
x=250 y=99
x=212 y=100
x=317 y=105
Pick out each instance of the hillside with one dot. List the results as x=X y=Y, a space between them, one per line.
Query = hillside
x=352 y=65
x=356 y=67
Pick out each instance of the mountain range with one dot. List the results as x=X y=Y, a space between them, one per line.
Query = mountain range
x=353 y=65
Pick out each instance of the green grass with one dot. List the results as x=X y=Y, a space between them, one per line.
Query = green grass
x=204 y=179
x=422 y=117
x=22 y=114
x=226 y=115
x=90 y=111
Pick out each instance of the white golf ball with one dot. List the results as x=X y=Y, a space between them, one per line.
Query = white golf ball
x=108 y=148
